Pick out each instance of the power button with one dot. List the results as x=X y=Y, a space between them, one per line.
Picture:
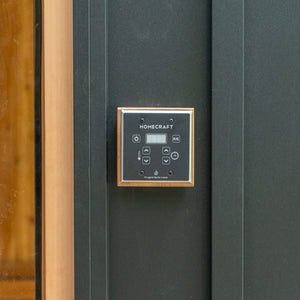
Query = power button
x=174 y=155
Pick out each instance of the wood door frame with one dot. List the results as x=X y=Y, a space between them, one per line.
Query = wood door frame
x=57 y=150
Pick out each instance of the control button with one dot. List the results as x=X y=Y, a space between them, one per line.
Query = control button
x=136 y=138
x=155 y=173
x=166 y=160
x=170 y=172
x=176 y=138
x=142 y=172
x=146 y=160
x=146 y=150
x=166 y=150
x=174 y=155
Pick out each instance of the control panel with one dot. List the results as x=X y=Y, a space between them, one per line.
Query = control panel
x=155 y=146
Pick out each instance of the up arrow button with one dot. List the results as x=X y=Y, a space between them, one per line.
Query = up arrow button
x=166 y=150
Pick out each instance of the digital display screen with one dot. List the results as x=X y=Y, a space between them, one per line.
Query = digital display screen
x=156 y=138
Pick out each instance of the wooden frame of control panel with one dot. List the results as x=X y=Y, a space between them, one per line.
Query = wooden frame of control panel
x=119 y=149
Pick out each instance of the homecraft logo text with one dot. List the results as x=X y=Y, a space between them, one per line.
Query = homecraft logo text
x=156 y=126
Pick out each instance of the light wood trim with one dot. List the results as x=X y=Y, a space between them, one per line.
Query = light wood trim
x=119 y=149
x=58 y=150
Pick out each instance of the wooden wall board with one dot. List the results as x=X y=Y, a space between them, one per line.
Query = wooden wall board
x=58 y=149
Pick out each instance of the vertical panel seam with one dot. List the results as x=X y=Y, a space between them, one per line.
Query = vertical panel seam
x=243 y=149
x=89 y=151
x=105 y=110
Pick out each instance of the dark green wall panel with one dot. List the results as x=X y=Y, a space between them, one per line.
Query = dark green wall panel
x=159 y=55
x=272 y=149
x=139 y=243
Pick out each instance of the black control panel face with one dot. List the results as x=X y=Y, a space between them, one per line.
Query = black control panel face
x=156 y=145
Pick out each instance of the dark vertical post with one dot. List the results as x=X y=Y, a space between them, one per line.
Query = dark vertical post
x=90 y=162
x=38 y=148
x=81 y=151
x=98 y=157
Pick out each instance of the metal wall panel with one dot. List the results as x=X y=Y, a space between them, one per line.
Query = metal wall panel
x=159 y=55
x=153 y=53
x=256 y=125
x=228 y=150
x=272 y=149
x=139 y=243
x=90 y=98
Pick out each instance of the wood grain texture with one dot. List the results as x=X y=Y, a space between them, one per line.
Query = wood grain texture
x=17 y=289
x=58 y=149
x=17 y=150
x=119 y=149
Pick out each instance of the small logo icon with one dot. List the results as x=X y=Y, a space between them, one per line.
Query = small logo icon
x=136 y=138
x=155 y=172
